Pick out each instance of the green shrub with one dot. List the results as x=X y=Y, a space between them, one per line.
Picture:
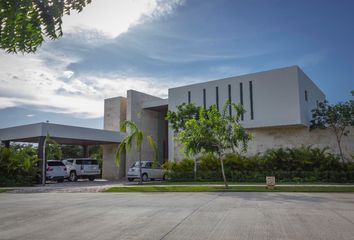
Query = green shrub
x=303 y=164
x=18 y=165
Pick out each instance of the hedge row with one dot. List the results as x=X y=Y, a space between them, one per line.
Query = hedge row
x=303 y=164
x=255 y=176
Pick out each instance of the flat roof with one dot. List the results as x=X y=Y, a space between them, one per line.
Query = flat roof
x=62 y=134
x=238 y=76
x=160 y=104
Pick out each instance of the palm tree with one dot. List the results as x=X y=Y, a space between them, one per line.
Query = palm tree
x=136 y=136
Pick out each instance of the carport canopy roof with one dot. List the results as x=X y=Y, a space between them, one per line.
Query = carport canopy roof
x=62 y=134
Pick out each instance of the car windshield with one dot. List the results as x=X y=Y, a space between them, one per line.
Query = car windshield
x=136 y=164
x=89 y=162
x=143 y=164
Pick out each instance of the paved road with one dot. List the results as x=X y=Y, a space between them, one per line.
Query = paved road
x=176 y=216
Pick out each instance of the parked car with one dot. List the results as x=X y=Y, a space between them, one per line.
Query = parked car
x=55 y=171
x=82 y=168
x=147 y=171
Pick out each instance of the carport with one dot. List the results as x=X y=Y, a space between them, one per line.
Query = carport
x=62 y=134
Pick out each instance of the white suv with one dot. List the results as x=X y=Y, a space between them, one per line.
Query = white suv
x=56 y=171
x=147 y=171
x=82 y=168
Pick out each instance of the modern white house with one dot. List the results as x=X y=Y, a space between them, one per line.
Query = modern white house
x=278 y=106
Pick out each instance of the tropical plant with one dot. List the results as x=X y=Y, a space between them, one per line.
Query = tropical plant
x=337 y=117
x=216 y=133
x=25 y=23
x=71 y=151
x=177 y=120
x=135 y=138
x=52 y=149
x=301 y=164
x=18 y=165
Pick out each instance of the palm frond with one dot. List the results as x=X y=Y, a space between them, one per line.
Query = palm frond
x=154 y=147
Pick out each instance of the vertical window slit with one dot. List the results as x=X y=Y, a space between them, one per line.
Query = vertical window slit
x=217 y=97
x=229 y=98
x=251 y=99
x=204 y=98
x=189 y=96
x=241 y=97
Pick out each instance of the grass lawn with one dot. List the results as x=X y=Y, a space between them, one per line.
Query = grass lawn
x=240 y=183
x=230 y=189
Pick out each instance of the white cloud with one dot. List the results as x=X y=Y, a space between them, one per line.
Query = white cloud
x=113 y=17
x=29 y=81
x=30 y=115
x=44 y=81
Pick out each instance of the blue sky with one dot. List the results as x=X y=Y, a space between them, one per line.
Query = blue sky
x=151 y=45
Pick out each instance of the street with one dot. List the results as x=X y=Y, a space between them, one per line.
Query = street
x=176 y=216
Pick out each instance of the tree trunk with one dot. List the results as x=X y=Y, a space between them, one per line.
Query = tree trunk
x=195 y=170
x=340 y=151
x=223 y=171
x=140 y=171
x=339 y=146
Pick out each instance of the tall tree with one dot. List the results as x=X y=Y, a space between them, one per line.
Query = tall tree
x=177 y=120
x=337 y=117
x=135 y=138
x=25 y=23
x=215 y=132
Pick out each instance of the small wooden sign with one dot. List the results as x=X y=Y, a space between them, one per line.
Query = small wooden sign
x=270 y=180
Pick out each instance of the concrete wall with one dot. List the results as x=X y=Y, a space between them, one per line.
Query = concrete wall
x=314 y=96
x=114 y=115
x=275 y=96
x=147 y=121
x=292 y=136
x=266 y=138
x=278 y=98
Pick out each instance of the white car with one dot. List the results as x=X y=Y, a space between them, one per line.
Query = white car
x=55 y=171
x=82 y=168
x=147 y=171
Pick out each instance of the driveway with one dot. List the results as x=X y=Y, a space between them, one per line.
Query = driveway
x=176 y=216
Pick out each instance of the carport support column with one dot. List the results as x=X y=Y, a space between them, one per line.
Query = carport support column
x=85 y=149
x=41 y=157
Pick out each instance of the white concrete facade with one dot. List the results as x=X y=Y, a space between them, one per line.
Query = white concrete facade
x=278 y=106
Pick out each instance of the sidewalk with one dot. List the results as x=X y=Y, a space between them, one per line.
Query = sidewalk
x=100 y=185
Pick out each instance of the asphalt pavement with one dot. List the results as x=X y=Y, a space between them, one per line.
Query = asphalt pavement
x=176 y=216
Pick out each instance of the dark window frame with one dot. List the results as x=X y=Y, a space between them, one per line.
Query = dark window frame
x=241 y=98
x=204 y=98
x=251 y=99
x=229 y=98
x=189 y=96
x=217 y=97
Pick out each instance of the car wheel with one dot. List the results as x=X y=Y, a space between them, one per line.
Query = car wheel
x=91 y=178
x=145 y=177
x=60 y=180
x=73 y=176
x=130 y=179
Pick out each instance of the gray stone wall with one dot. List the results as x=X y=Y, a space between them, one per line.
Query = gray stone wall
x=147 y=121
x=290 y=136
x=114 y=115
